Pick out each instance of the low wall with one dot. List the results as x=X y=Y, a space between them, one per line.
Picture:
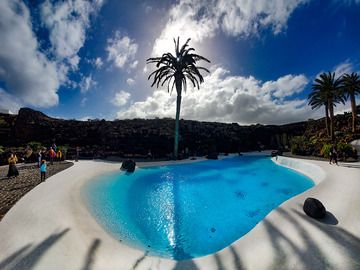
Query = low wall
x=312 y=171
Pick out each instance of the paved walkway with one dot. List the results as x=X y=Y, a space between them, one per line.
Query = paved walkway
x=50 y=228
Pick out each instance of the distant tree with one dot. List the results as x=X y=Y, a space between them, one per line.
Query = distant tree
x=328 y=89
x=317 y=99
x=176 y=70
x=351 y=88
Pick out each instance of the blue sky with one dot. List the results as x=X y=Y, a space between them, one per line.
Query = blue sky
x=87 y=59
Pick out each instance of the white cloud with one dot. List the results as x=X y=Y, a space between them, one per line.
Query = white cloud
x=200 y=19
x=227 y=98
x=87 y=83
x=121 y=50
x=121 y=98
x=134 y=64
x=98 y=62
x=29 y=76
x=8 y=102
x=83 y=101
x=286 y=86
x=130 y=81
x=67 y=22
x=342 y=68
x=85 y=118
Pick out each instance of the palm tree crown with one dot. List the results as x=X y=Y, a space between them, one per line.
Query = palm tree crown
x=326 y=91
x=177 y=68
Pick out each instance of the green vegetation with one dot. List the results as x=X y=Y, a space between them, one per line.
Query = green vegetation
x=301 y=146
x=35 y=146
x=325 y=151
x=327 y=91
x=175 y=70
x=351 y=88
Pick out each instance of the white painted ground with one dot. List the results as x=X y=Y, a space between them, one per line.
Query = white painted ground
x=51 y=228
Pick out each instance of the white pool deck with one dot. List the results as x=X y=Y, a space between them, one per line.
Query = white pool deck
x=51 y=228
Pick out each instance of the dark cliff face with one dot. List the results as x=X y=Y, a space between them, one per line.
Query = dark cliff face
x=138 y=136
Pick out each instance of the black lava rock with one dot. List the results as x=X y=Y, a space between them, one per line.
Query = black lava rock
x=128 y=165
x=212 y=156
x=314 y=208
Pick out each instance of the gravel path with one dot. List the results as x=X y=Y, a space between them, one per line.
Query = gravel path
x=12 y=189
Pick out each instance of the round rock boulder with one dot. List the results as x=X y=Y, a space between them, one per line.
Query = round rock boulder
x=314 y=208
x=128 y=165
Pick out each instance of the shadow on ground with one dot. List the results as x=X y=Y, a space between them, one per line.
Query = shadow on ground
x=27 y=256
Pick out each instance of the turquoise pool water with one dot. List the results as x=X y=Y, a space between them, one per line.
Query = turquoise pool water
x=191 y=210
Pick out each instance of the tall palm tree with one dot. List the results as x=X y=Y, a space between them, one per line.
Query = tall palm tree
x=351 y=88
x=328 y=88
x=316 y=100
x=176 y=70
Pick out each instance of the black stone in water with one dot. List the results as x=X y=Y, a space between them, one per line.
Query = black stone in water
x=148 y=245
x=213 y=230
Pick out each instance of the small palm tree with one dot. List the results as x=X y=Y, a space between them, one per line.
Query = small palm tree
x=351 y=88
x=328 y=89
x=176 y=70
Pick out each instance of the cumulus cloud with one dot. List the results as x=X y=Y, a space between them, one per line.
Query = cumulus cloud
x=286 y=86
x=67 y=22
x=130 y=81
x=98 y=62
x=227 y=98
x=29 y=76
x=121 y=51
x=200 y=19
x=9 y=102
x=121 y=98
x=87 y=83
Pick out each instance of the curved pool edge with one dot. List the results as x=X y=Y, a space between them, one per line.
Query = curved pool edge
x=313 y=171
x=284 y=238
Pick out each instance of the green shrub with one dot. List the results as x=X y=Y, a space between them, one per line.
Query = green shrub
x=345 y=150
x=299 y=146
x=325 y=150
x=35 y=146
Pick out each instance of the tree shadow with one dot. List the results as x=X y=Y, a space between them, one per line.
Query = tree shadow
x=311 y=255
x=185 y=265
x=237 y=261
x=90 y=257
x=343 y=238
x=138 y=261
x=21 y=261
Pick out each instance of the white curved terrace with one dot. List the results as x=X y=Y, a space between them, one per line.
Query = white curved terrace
x=51 y=228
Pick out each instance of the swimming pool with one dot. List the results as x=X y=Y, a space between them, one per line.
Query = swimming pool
x=190 y=210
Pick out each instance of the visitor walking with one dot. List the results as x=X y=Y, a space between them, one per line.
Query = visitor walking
x=43 y=171
x=333 y=155
x=13 y=171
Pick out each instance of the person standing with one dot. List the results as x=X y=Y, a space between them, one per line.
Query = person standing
x=52 y=155
x=13 y=171
x=77 y=153
x=39 y=156
x=43 y=171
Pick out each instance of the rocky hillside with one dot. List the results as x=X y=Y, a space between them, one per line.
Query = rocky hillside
x=101 y=138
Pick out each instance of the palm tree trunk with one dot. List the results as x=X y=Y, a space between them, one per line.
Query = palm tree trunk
x=353 y=110
x=327 y=120
x=178 y=105
x=331 y=110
